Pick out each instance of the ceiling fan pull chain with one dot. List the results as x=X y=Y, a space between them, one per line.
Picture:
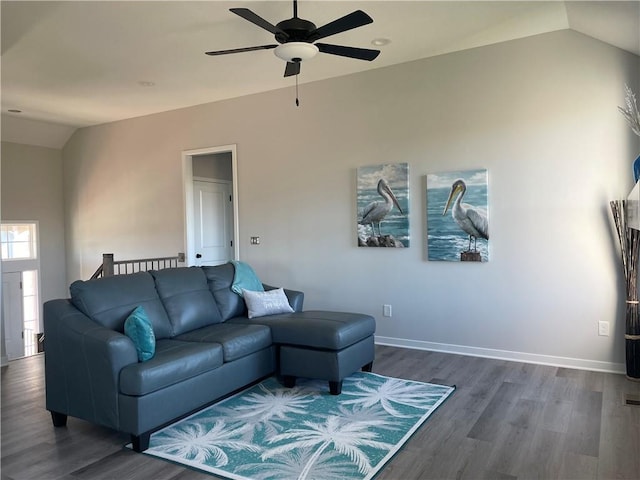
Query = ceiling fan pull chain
x=297 y=101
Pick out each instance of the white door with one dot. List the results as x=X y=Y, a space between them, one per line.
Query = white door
x=12 y=310
x=213 y=222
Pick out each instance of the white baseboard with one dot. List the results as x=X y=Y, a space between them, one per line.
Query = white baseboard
x=578 y=363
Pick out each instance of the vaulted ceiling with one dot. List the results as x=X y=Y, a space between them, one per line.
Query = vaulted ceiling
x=82 y=63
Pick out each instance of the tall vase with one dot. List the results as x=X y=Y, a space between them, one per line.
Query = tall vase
x=629 y=248
x=632 y=340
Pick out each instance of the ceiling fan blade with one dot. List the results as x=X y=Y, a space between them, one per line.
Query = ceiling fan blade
x=292 y=68
x=239 y=50
x=353 y=20
x=351 y=52
x=257 y=20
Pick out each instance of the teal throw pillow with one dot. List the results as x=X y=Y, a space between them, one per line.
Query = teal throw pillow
x=138 y=328
x=245 y=278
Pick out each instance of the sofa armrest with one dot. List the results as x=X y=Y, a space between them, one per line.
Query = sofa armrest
x=82 y=364
x=295 y=297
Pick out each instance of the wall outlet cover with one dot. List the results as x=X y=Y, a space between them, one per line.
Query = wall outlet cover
x=603 y=329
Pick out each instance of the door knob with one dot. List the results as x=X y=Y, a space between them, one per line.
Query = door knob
x=198 y=255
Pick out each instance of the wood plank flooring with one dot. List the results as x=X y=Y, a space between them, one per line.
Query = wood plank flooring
x=506 y=420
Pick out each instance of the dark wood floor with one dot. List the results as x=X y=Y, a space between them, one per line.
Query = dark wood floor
x=506 y=420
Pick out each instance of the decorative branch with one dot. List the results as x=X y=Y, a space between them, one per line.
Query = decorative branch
x=631 y=113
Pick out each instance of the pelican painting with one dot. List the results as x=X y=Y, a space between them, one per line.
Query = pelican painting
x=376 y=211
x=472 y=220
x=463 y=235
x=382 y=206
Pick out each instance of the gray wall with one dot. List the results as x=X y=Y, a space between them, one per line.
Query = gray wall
x=539 y=113
x=32 y=190
x=31 y=186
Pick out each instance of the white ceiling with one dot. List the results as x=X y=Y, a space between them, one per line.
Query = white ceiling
x=83 y=63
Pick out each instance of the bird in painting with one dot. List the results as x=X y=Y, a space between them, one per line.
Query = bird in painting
x=472 y=220
x=375 y=212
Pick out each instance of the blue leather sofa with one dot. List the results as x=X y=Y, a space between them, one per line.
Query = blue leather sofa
x=206 y=347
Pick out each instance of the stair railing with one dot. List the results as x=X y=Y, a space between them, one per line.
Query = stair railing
x=112 y=267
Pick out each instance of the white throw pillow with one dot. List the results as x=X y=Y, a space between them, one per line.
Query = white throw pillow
x=270 y=302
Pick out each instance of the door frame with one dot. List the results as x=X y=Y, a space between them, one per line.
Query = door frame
x=187 y=182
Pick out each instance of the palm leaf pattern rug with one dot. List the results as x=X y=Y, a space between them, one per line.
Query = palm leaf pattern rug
x=270 y=432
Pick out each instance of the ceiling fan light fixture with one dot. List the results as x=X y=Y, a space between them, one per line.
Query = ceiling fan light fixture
x=296 y=51
x=380 y=42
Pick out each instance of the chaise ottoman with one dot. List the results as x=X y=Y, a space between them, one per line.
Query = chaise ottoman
x=322 y=345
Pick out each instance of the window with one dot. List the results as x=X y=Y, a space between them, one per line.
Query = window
x=18 y=241
x=30 y=306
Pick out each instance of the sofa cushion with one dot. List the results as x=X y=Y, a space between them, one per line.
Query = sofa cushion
x=173 y=362
x=138 y=328
x=219 y=279
x=110 y=300
x=237 y=340
x=187 y=298
x=316 y=329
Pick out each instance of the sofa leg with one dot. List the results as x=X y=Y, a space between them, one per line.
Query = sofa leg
x=140 y=442
x=335 y=388
x=289 y=381
x=59 y=419
x=368 y=367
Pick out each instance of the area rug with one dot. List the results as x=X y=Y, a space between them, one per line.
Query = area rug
x=271 y=432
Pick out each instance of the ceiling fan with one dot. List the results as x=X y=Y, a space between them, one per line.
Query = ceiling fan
x=296 y=38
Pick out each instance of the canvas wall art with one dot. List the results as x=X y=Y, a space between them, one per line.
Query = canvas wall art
x=457 y=216
x=383 y=205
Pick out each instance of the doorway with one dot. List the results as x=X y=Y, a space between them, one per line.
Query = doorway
x=211 y=207
x=20 y=288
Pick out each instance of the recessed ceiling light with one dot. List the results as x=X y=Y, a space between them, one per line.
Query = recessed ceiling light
x=145 y=83
x=380 y=42
x=14 y=110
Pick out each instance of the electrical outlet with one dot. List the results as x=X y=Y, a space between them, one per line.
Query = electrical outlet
x=386 y=310
x=254 y=241
x=603 y=329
